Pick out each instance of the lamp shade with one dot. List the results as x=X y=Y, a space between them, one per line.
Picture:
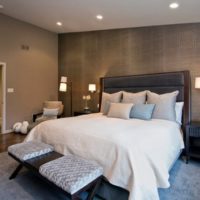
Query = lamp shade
x=92 y=87
x=197 y=82
x=63 y=87
x=63 y=79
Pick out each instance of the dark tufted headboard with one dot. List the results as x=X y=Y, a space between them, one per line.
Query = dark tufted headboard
x=159 y=83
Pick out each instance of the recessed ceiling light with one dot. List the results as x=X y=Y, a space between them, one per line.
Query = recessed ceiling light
x=1 y=6
x=59 y=23
x=174 y=5
x=99 y=17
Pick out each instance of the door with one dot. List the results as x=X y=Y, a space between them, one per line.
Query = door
x=2 y=97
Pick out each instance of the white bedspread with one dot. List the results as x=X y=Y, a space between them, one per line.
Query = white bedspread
x=135 y=154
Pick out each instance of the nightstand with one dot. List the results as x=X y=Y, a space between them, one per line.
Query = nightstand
x=192 y=135
x=83 y=112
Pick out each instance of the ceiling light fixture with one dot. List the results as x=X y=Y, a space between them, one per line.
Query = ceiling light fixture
x=1 y=6
x=174 y=5
x=99 y=17
x=59 y=23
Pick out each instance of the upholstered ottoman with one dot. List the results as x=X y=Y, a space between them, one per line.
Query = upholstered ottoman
x=71 y=173
x=26 y=151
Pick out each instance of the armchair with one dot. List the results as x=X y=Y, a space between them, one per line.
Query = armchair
x=51 y=110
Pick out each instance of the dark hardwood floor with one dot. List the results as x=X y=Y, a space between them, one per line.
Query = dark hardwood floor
x=8 y=139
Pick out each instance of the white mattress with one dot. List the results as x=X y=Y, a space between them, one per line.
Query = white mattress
x=135 y=154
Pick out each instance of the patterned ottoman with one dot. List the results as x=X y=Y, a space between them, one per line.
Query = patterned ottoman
x=71 y=173
x=27 y=150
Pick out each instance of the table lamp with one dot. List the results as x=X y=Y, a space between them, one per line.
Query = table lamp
x=92 y=88
x=86 y=98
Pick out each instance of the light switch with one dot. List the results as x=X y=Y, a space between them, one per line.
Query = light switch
x=10 y=90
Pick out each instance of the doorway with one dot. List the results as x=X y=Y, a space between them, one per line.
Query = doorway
x=2 y=98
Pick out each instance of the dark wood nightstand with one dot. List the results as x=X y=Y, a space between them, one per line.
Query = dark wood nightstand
x=83 y=112
x=192 y=134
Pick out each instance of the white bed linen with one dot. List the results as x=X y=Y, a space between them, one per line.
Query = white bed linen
x=135 y=154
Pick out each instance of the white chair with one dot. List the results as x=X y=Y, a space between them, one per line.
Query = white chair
x=51 y=110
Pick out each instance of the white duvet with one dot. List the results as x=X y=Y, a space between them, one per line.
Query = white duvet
x=135 y=154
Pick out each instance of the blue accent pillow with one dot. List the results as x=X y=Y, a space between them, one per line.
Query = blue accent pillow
x=142 y=111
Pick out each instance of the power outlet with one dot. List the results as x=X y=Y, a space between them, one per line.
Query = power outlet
x=10 y=90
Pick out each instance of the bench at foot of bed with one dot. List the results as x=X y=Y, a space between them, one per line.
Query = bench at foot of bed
x=70 y=174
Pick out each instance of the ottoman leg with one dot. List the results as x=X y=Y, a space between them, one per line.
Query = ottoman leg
x=93 y=191
x=17 y=170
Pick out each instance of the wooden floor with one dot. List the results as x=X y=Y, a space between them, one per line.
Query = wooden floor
x=8 y=139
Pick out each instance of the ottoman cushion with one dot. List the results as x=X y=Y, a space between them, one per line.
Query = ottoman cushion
x=71 y=173
x=27 y=150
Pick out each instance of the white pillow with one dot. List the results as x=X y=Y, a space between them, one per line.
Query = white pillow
x=109 y=98
x=165 y=105
x=50 y=111
x=179 y=111
x=54 y=105
x=120 y=110
x=136 y=98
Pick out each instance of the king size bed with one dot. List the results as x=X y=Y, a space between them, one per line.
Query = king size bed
x=136 y=154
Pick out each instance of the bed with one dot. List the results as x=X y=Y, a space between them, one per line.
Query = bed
x=137 y=162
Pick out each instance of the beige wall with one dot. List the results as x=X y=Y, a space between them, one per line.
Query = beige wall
x=85 y=57
x=33 y=73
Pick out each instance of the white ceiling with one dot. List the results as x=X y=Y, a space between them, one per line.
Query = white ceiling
x=79 y=15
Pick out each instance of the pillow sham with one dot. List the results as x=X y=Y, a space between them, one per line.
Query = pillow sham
x=136 y=98
x=54 y=105
x=142 y=111
x=179 y=111
x=164 y=105
x=120 y=110
x=50 y=111
x=107 y=99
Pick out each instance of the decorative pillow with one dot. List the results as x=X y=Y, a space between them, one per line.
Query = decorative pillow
x=109 y=98
x=54 y=105
x=120 y=110
x=165 y=105
x=136 y=98
x=179 y=111
x=50 y=111
x=142 y=111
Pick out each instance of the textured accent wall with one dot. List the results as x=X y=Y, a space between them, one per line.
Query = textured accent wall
x=33 y=72
x=85 y=57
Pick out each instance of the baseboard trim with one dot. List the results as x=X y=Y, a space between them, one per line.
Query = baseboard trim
x=7 y=131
